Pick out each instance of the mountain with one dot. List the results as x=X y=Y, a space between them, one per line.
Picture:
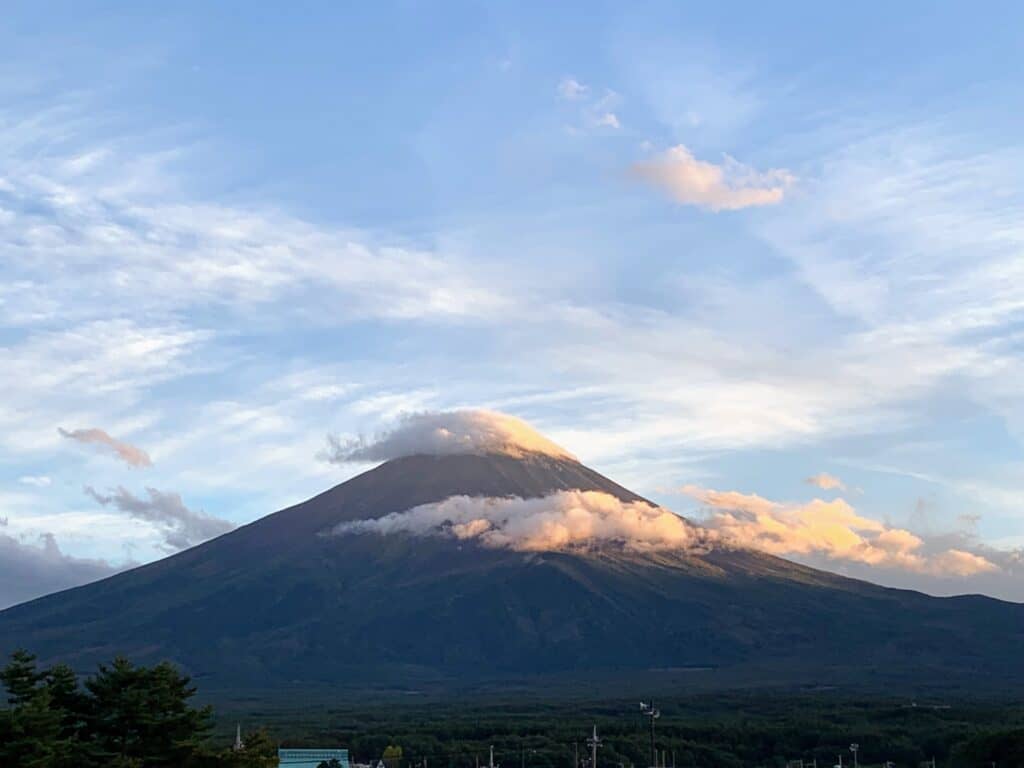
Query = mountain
x=282 y=601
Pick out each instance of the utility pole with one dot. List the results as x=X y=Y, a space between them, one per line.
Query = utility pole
x=593 y=742
x=575 y=754
x=648 y=710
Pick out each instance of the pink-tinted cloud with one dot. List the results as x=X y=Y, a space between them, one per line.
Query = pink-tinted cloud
x=826 y=482
x=726 y=187
x=128 y=453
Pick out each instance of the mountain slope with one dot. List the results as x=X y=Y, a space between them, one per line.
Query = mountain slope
x=280 y=601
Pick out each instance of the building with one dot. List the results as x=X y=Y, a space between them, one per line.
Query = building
x=311 y=758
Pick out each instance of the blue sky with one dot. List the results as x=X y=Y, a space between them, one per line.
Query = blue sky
x=728 y=247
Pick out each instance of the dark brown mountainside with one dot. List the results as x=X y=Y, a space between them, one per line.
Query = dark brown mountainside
x=277 y=601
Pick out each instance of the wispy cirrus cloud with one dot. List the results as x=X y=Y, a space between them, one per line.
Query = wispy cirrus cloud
x=728 y=186
x=130 y=454
x=92 y=225
x=96 y=371
x=97 y=220
x=122 y=215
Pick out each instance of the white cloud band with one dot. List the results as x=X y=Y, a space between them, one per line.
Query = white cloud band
x=563 y=520
x=579 y=520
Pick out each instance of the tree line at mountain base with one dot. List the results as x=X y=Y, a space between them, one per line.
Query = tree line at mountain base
x=755 y=728
x=128 y=716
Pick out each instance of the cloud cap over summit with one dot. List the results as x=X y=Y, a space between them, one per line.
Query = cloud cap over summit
x=444 y=433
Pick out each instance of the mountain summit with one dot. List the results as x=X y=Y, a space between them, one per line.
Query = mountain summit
x=452 y=567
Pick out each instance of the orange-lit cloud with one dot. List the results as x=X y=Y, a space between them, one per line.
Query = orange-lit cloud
x=562 y=520
x=826 y=482
x=832 y=529
x=726 y=187
x=446 y=432
x=959 y=562
x=128 y=453
x=574 y=520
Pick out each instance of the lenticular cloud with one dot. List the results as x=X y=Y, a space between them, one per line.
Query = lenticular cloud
x=560 y=521
x=441 y=433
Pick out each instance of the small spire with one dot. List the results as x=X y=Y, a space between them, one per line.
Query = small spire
x=239 y=744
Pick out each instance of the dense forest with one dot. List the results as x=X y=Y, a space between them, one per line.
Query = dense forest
x=129 y=716
x=708 y=731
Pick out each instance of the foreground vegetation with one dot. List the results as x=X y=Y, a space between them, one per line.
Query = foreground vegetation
x=123 y=716
x=128 y=716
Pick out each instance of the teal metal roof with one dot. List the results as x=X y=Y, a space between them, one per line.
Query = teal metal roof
x=310 y=758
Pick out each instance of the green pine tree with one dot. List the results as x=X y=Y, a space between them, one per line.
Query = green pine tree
x=21 y=678
x=144 y=714
x=67 y=698
x=31 y=732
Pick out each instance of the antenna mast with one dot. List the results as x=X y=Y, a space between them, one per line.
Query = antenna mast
x=648 y=710
x=593 y=742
